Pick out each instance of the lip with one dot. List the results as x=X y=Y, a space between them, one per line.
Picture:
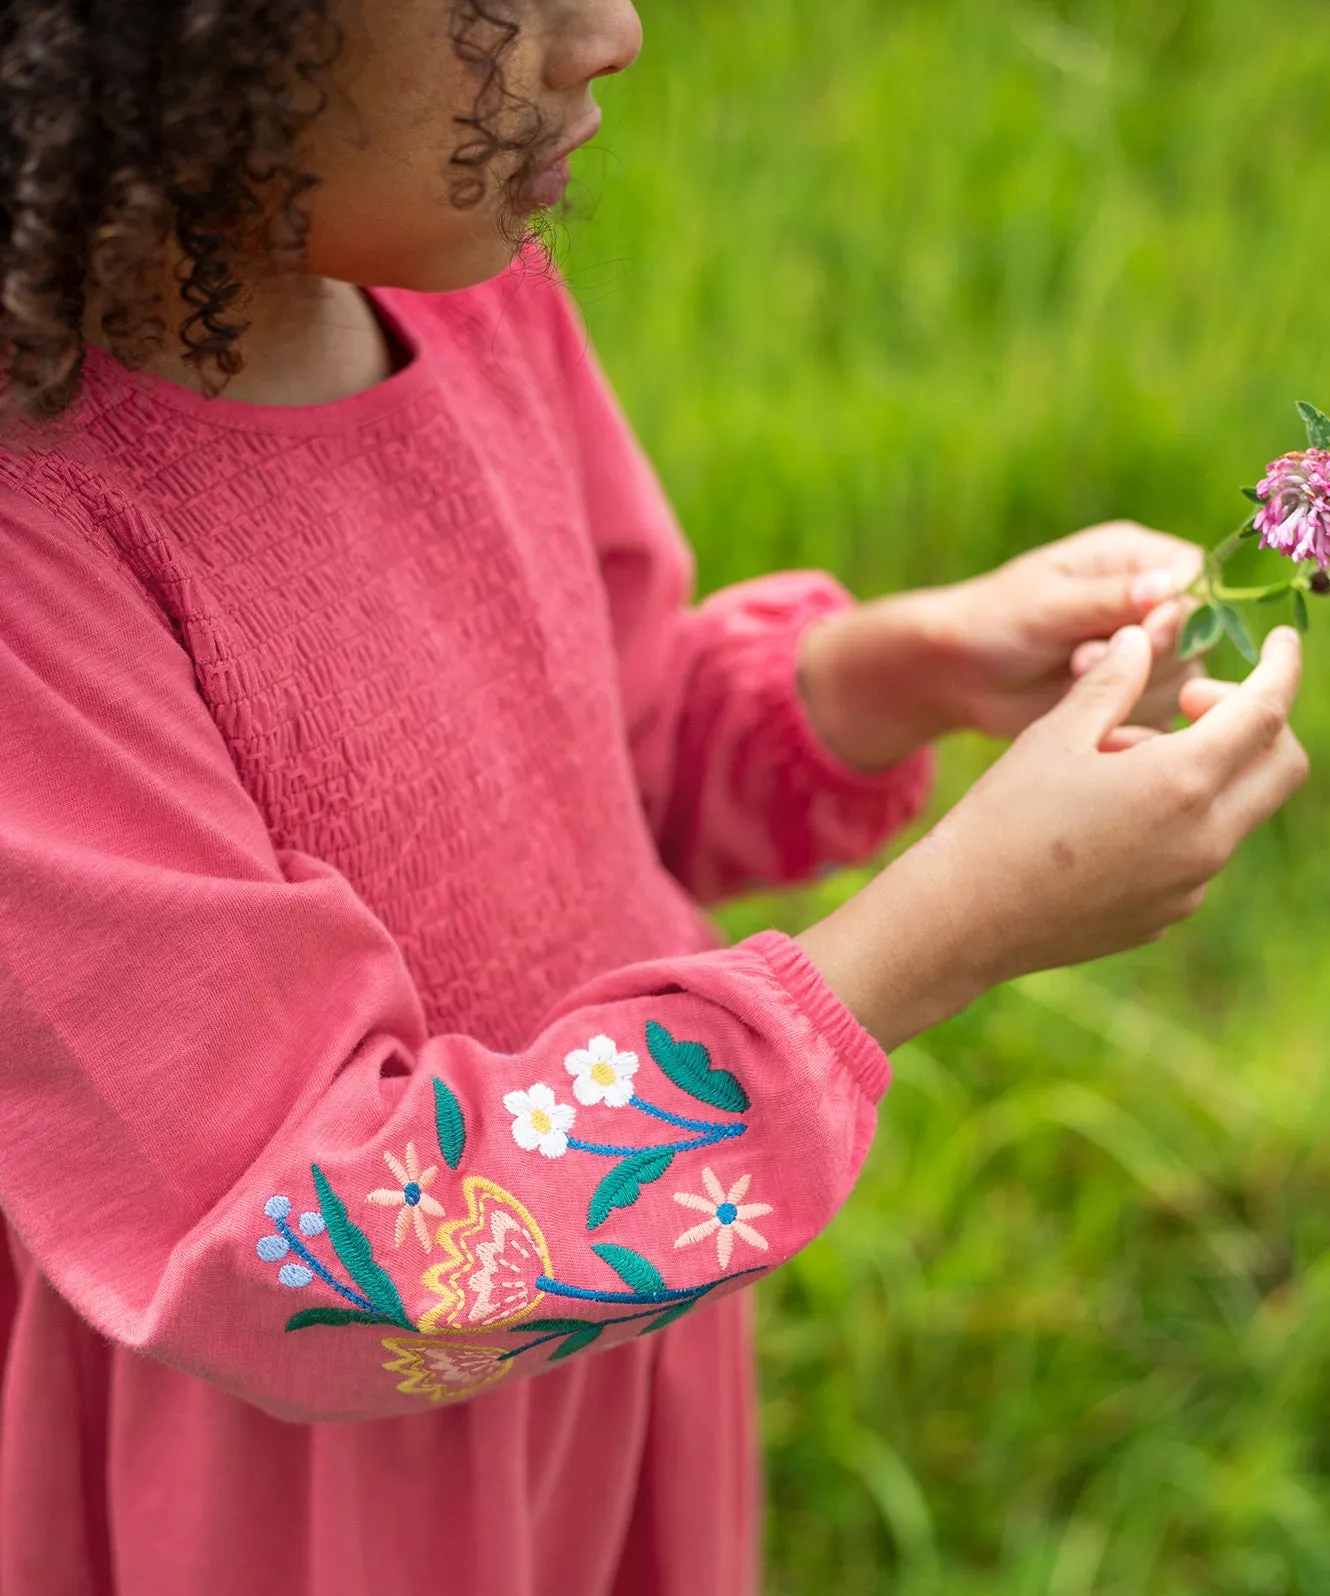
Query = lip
x=545 y=186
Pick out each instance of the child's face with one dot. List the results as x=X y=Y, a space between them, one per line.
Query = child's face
x=385 y=212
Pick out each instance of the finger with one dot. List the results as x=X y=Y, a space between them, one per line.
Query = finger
x=1160 y=703
x=1089 y=607
x=1245 y=723
x=1128 y=737
x=1198 y=697
x=1266 y=785
x=1101 y=701
x=1086 y=657
x=1126 y=545
x=1163 y=626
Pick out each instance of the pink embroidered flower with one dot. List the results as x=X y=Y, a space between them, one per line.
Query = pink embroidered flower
x=727 y=1218
x=410 y=1196
x=1294 y=518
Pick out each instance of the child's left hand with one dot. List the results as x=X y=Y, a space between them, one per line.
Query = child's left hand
x=996 y=653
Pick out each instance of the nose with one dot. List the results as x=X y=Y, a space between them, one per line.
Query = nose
x=602 y=37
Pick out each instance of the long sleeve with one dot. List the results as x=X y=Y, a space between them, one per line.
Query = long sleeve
x=225 y=1134
x=739 y=788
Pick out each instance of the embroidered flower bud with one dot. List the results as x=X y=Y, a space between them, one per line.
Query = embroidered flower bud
x=1294 y=518
x=295 y=1275
x=312 y=1224
x=272 y=1249
x=277 y=1207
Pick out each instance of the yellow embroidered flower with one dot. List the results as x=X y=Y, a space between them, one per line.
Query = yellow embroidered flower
x=410 y=1196
x=444 y=1371
x=727 y=1219
x=601 y=1073
x=494 y=1258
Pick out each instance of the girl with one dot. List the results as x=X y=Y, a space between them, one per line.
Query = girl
x=387 y=1146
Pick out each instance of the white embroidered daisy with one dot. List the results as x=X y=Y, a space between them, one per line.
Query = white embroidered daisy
x=729 y=1217
x=540 y=1121
x=601 y=1073
x=410 y=1196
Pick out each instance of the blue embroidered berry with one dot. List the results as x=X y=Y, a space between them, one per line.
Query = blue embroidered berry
x=312 y=1224
x=272 y=1249
x=277 y=1207
x=295 y=1275
x=411 y=1192
x=727 y=1213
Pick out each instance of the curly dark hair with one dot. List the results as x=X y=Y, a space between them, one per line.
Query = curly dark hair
x=127 y=126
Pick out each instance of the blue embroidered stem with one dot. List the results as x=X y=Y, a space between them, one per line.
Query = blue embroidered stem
x=302 y=1251
x=716 y=1133
x=677 y=1120
x=556 y=1288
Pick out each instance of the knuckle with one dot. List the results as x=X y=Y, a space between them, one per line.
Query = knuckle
x=1186 y=791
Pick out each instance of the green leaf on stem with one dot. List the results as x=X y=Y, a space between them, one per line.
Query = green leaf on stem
x=1238 y=634
x=639 y=1274
x=1318 y=425
x=1301 y=619
x=689 y=1066
x=623 y=1185
x=335 y=1316
x=550 y=1327
x=577 y=1343
x=353 y=1248
x=1202 y=631
x=1251 y=493
x=670 y=1315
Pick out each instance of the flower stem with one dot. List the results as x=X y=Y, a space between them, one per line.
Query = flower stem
x=714 y=1135
x=306 y=1256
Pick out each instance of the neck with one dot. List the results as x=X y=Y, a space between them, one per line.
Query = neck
x=311 y=340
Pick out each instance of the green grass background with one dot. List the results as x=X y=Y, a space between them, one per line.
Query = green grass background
x=900 y=287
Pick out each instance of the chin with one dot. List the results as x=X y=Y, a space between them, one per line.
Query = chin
x=427 y=266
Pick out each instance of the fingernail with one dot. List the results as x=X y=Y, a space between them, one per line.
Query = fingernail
x=1124 y=639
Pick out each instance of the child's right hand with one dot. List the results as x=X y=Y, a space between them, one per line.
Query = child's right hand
x=1063 y=852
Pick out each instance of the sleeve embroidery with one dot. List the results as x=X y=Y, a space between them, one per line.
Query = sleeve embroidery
x=496 y=1267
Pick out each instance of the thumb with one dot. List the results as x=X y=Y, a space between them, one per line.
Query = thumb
x=1103 y=698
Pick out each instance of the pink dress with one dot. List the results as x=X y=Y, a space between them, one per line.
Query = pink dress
x=386 y=1143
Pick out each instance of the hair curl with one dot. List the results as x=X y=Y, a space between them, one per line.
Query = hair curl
x=127 y=127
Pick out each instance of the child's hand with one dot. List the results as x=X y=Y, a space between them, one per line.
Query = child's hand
x=1064 y=853
x=996 y=653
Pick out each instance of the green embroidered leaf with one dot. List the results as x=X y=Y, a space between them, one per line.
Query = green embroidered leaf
x=1318 y=425
x=671 y=1314
x=352 y=1246
x=688 y=1065
x=451 y=1126
x=623 y=1185
x=335 y=1316
x=584 y=1338
x=551 y=1327
x=639 y=1274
